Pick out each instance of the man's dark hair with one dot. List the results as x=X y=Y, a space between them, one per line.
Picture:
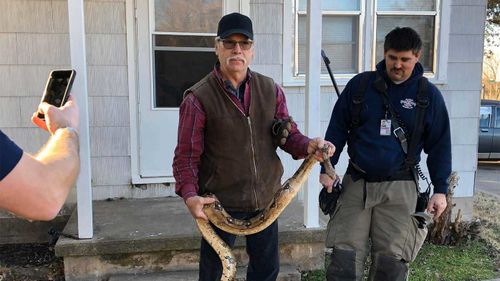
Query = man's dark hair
x=403 y=39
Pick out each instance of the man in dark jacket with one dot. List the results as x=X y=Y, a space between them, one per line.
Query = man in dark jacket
x=225 y=147
x=379 y=195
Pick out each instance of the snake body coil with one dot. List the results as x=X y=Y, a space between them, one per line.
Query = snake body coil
x=221 y=219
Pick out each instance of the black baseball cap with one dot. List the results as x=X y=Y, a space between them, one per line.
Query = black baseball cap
x=235 y=23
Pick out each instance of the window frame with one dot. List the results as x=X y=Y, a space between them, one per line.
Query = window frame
x=329 y=13
x=153 y=49
x=367 y=42
x=435 y=14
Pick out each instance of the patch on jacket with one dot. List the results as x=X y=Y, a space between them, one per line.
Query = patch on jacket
x=408 y=103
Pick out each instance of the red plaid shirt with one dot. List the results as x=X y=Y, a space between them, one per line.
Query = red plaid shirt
x=190 y=135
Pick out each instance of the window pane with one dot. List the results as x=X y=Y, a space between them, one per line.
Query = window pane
x=176 y=71
x=187 y=16
x=180 y=61
x=406 y=5
x=333 y=5
x=339 y=41
x=497 y=122
x=485 y=116
x=424 y=25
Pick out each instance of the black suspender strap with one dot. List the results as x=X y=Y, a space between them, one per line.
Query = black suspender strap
x=398 y=130
x=418 y=130
x=358 y=99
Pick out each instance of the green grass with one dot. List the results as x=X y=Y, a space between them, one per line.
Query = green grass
x=472 y=261
x=316 y=275
x=469 y=262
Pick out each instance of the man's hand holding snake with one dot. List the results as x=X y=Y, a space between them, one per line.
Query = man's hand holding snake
x=315 y=146
x=326 y=181
x=195 y=205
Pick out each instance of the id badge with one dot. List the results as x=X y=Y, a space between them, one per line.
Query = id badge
x=385 y=127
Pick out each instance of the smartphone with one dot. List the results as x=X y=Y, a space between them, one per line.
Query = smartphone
x=58 y=88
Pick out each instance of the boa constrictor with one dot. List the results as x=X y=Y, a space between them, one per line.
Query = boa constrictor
x=221 y=219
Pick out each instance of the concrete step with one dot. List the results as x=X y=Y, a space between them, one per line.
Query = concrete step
x=287 y=273
x=159 y=235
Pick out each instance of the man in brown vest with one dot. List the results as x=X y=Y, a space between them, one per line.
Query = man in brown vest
x=225 y=147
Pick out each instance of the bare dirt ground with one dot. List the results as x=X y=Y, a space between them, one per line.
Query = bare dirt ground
x=37 y=262
x=27 y=262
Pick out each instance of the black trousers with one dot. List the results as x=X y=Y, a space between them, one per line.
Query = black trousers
x=262 y=249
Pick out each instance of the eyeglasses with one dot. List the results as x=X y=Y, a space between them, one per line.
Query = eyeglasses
x=231 y=44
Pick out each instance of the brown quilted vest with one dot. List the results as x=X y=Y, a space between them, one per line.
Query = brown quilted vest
x=239 y=163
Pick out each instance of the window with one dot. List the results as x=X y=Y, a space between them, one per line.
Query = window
x=183 y=47
x=497 y=118
x=340 y=35
x=485 y=117
x=353 y=33
x=420 y=15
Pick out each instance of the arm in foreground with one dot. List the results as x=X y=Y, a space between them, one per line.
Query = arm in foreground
x=38 y=185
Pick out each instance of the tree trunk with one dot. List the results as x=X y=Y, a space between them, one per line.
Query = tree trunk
x=440 y=232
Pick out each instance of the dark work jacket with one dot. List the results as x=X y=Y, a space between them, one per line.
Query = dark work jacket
x=239 y=163
x=382 y=155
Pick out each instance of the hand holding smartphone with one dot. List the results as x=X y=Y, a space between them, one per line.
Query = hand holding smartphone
x=58 y=88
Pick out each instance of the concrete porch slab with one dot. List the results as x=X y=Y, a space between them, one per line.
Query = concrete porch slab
x=159 y=235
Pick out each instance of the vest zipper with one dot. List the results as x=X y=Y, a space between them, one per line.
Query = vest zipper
x=253 y=158
x=251 y=141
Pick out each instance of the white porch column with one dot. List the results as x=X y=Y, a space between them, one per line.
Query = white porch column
x=79 y=63
x=312 y=97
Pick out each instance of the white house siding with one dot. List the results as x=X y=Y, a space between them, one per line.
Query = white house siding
x=108 y=97
x=462 y=92
x=30 y=45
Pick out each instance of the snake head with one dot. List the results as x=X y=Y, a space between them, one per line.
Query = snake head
x=286 y=185
x=218 y=206
x=324 y=151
